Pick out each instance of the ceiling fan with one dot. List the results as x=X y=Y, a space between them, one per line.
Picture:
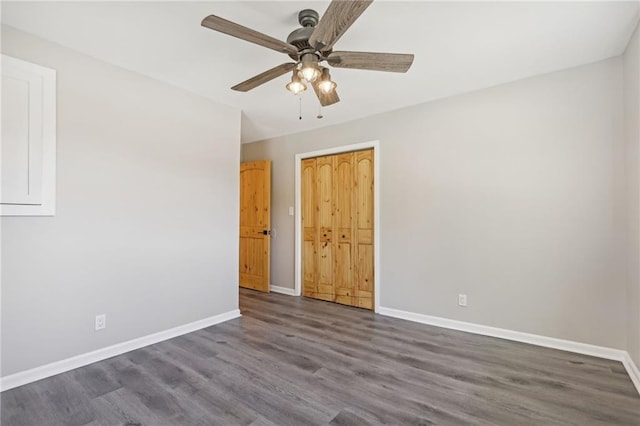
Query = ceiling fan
x=311 y=45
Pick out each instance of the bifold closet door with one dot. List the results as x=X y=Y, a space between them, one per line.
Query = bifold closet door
x=337 y=223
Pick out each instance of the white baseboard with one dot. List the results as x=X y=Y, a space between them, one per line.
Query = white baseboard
x=283 y=290
x=534 y=339
x=48 y=370
x=632 y=369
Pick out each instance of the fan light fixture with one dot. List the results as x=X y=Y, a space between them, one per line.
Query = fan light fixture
x=326 y=85
x=310 y=71
x=296 y=85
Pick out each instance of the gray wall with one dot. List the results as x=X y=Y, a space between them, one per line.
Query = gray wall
x=513 y=195
x=147 y=214
x=632 y=121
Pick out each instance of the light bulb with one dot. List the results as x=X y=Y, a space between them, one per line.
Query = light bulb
x=310 y=73
x=309 y=70
x=296 y=85
x=326 y=85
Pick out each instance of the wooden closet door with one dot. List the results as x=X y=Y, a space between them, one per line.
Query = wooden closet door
x=364 y=227
x=324 y=228
x=309 y=232
x=337 y=223
x=343 y=220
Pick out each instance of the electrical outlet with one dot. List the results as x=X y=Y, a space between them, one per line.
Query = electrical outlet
x=290 y=211
x=462 y=299
x=101 y=321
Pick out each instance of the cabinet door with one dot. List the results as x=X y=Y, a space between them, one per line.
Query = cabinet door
x=27 y=149
x=21 y=136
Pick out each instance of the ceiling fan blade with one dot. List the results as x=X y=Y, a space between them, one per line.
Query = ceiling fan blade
x=337 y=19
x=325 y=99
x=262 y=78
x=231 y=28
x=393 y=62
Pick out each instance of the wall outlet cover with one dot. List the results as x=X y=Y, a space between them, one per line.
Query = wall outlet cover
x=101 y=321
x=462 y=299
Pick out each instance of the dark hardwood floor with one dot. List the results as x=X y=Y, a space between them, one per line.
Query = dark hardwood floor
x=296 y=361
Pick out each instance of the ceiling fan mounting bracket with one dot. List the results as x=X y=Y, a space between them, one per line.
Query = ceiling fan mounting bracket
x=308 y=18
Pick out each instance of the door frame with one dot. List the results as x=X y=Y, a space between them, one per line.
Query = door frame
x=375 y=145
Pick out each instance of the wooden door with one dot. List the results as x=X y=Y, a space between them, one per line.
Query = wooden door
x=255 y=224
x=337 y=223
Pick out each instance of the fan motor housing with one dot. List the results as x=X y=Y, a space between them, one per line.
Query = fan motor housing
x=300 y=38
x=308 y=18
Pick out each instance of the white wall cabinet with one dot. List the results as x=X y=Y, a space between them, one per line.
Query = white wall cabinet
x=28 y=144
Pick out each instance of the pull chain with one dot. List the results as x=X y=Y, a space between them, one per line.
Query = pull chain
x=300 y=109
x=320 y=111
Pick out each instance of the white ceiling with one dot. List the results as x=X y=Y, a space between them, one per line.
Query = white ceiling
x=458 y=47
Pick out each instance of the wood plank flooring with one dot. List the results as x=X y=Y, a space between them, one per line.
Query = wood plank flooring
x=293 y=361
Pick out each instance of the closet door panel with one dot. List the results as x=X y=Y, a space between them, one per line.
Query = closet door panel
x=325 y=203
x=310 y=234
